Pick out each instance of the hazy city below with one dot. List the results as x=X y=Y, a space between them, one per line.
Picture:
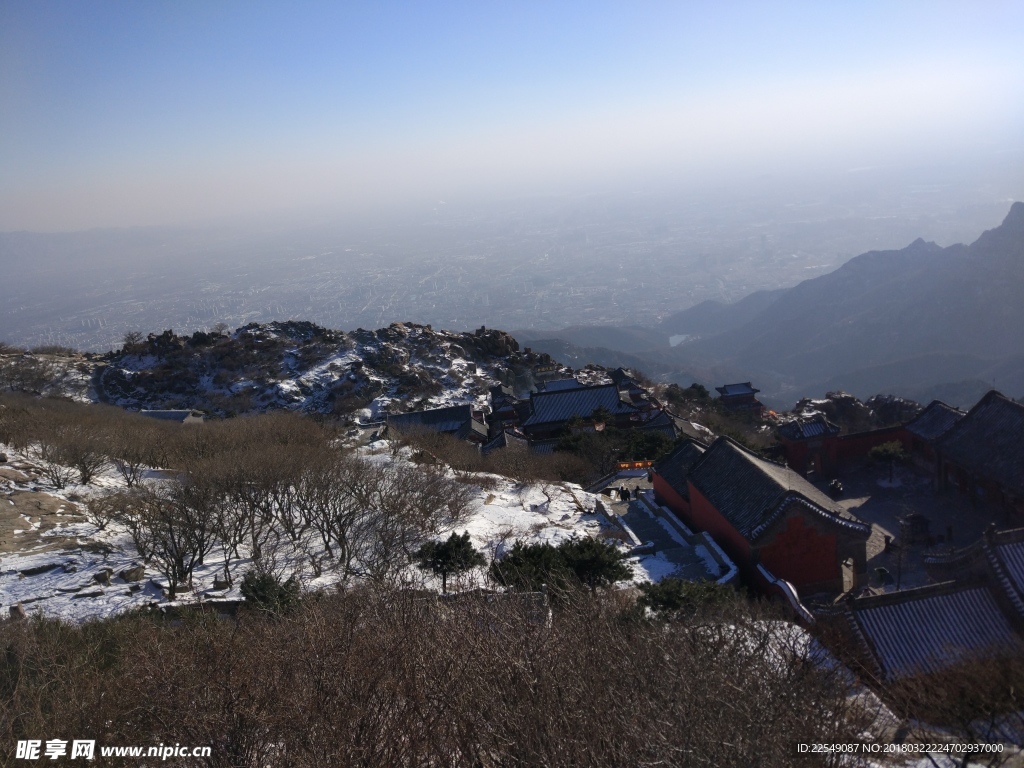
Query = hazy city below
x=614 y=258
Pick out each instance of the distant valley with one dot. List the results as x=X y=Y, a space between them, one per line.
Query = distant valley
x=922 y=322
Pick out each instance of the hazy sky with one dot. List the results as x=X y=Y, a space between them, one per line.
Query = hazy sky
x=127 y=113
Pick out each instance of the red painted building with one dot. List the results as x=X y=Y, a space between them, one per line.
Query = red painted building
x=814 y=445
x=762 y=513
x=810 y=445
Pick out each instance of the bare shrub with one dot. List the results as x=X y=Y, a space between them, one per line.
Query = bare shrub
x=49 y=453
x=383 y=678
x=103 y=510
x=16 y=421
x=978 y=701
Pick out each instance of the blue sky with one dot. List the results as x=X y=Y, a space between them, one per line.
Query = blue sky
x=129 y=113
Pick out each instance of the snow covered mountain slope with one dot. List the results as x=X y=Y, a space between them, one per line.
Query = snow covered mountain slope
x=301 y=366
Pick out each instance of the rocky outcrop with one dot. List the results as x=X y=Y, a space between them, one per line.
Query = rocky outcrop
x=301 y=366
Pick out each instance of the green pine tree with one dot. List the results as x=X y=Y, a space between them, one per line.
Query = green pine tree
x=587 y=561
x=530 y=567
x=452 y=556
x=596 y=563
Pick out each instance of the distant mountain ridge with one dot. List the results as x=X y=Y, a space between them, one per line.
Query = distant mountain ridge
x=712 y=317
x=879 y=314
x=923 y=322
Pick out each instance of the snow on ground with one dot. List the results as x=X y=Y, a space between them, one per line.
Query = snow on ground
x=532 y=514
x=653 y=568
x=56 y=572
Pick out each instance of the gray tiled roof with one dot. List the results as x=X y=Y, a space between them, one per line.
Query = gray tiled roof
x=751 y=492
x=472 y=429
x=737 y=389
x=543 y=447
x=559 y=385
x=556 y=407
x=1012 y=556
x=927 y=629
x=989 y=441
x=934 y=421
x=802 y=429
x=1006 y=552
x=504 y=439
x=997 y=555
x=621 y=377
x=450 y=419
x=660 y=422
x=676 y=466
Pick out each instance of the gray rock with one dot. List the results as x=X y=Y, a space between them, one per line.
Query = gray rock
x=18 y=612
x=221 y=584
x=135 y=573
x=38 y=569
x=89 y=593
x=103 y=577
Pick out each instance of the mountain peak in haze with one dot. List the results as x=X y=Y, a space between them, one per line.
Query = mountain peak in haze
x=1007 y=236
x=892 y=321
x=1015 y=218
x=921 y=245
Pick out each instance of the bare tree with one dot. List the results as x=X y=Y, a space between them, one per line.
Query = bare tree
x=133 y=514
x=132 y=450
x=380 y=677
x=102 y=510
x=84 y=450
x=132 y=342
x=51 y=455
x=325 y=498
x=979 y=700
x=403 y=505
x=33 y=374
x=172 y=533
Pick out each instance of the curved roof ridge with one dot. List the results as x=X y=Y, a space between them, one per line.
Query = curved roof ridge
x=796 y=498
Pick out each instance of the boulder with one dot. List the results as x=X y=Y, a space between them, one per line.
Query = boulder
x=221 y=583
x=18 y=612
x=103 y=577
x=135 y=573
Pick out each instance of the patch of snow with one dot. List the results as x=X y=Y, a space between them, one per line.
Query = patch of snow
x=653 y=568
